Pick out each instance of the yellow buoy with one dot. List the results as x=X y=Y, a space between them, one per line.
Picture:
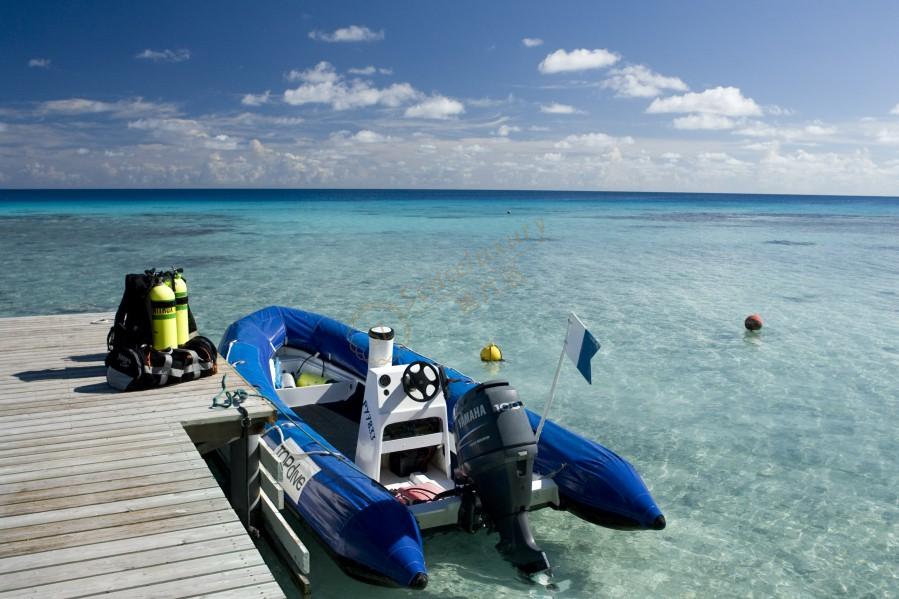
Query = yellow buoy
x=162 y=302
x=492 y=353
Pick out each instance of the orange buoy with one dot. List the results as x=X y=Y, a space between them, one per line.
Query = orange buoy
x=753 y=322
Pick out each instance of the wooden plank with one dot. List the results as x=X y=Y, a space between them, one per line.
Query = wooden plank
x=50 y=452
x=94 y=551
x=126 y=564
x=124 y=478
x=100 y=509
x=110 y=431
x=52 y=473
x=188 y=506
x=193 y=574
x=271 y=488
x=47 y=485
x=269 y=590
x=199 y=480
x=96 y=440
x=201 y=517
x=146 y=410
x=95 y=457
x=271 y=462
x=285 y=535
x=254 y=582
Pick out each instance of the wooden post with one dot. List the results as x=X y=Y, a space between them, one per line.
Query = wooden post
x=245 y=478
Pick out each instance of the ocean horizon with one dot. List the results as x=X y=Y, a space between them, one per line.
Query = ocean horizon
x=772 y=455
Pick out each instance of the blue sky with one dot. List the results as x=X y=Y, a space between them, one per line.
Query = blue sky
x=778 y=97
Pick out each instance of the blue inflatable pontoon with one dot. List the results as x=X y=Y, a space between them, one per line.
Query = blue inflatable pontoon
x=379 y=442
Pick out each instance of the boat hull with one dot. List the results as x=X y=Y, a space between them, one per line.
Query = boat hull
x=357 y=518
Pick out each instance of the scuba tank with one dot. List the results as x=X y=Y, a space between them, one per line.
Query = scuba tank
x=177 y=283
x=162 y=303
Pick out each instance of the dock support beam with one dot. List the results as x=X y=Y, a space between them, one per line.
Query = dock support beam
x=245 y=478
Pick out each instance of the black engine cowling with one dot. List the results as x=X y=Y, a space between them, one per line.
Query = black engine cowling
x=495 y=446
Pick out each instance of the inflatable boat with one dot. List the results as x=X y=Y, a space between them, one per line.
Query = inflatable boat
x=379 y=442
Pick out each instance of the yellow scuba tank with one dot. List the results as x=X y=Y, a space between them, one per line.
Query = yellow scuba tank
x=177 y=283
x=162 y=303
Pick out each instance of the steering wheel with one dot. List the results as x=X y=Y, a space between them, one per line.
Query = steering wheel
x=421 y=381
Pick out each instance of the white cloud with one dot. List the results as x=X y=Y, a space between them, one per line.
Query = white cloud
x=775 y=110
x=257 y=147
x=353 y=33
x=703 y=121
x=895 y=109
x=323 y=72
x=179 y=55
x=186 y=126
x=593 y=140
x=323 y=85
x=556 y=108
x=369 y=137
x=121 y=108
x=256 y=99
x=505 y=130
x=532 y=42
x=39 y=63
x=369 y=70
x=726 y=101
x=582 y=59
x=813 y=131
x=436 y=107
x=638 y=81
x=221 y=142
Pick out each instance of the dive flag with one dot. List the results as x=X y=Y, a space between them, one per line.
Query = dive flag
x=580 y=345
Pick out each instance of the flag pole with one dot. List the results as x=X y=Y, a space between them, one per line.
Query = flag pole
x=552 y=390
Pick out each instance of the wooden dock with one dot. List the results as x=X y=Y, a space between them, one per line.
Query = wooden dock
x=104 y=492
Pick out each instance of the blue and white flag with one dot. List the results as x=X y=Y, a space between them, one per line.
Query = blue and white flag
x=580 y=345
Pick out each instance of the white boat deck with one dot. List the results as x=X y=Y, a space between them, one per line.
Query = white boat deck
x=104 y=492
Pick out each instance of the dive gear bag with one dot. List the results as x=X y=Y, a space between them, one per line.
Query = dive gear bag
x=132 y=363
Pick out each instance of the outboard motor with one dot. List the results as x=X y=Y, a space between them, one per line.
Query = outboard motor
x=496 y=448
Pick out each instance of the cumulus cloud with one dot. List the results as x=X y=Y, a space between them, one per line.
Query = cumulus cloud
x=505 y=130
x=39 y=63
x=353 y=33
x=121 y=108
x=173 y=125
x=895 y=109
x=436 y=107
x=323 y=85
x=257 y=147
x=807 y=132
x=363 y=136
x=179 y=55
x=638 y=81
x=532 y=42
x=725 y=101
x=256 y=99
x=593 y=140
x=369 y=71
x=556 y=108
x=703 y=121
x=562 y=61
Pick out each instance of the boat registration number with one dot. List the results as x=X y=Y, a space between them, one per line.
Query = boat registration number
x=298 y=468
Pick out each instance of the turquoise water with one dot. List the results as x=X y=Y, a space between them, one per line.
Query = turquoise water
x=773 y=456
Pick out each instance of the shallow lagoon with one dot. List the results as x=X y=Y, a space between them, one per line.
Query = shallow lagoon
x=773 y=456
